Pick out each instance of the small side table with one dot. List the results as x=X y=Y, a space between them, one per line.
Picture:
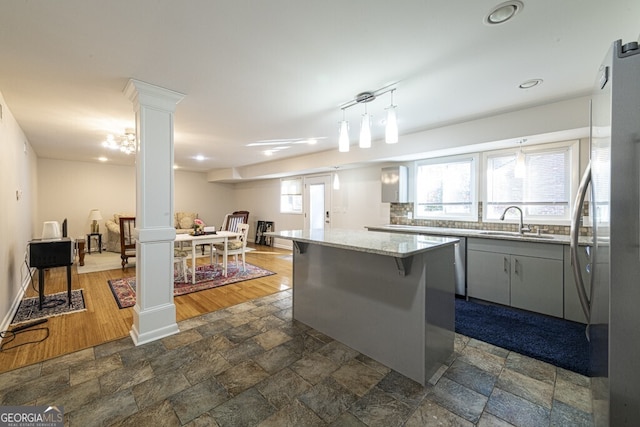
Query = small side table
x=98 y=236
x=80 y=243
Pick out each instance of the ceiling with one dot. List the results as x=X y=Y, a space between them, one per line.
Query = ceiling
x=280 y=69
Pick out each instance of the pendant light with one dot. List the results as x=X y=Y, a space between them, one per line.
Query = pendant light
x=365 y=130
x=391 y=129
x=343 y=138
x=521 y=166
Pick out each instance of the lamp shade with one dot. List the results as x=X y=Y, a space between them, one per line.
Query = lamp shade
x=391 y=129
x=95 y=215
x=51 y=230
x=365 y=131
x=521 y=165
x=343 y=138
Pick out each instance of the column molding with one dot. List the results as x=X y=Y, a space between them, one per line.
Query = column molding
x=154 y=315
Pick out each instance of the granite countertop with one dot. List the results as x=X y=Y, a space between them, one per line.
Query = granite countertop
x=390 y=244
x=483 y=234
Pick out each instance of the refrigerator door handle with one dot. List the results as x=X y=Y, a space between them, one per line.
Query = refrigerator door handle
x=575 y=232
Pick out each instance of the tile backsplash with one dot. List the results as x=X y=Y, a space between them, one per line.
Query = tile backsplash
x=399 y=215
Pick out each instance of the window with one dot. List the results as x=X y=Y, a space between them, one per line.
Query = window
x=291 y=195
x=542 y=191
x=446 y=188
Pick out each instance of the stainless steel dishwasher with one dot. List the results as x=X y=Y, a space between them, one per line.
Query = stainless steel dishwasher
x=460 y=264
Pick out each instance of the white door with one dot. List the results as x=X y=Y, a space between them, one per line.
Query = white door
x=317 y=202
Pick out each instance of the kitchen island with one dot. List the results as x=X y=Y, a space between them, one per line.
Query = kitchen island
x=389 y=296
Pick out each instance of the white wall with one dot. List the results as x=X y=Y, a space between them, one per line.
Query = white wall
x=19 y=198
x=357 y=203
x=71 y=189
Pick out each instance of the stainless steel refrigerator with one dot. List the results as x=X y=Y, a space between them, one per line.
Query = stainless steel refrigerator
x=609 y=285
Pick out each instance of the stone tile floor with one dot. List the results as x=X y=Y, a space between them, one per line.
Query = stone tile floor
x=251 y=364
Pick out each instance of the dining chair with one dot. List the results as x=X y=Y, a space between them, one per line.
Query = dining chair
x=235 y=247
x=230 y=223
x=180 y=257
x=127 y=239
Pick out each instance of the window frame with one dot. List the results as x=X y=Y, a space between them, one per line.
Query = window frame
x=299 y=194
x=474 y=160
x=572 y=146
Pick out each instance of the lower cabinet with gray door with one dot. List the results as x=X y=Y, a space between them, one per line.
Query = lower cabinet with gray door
x=525 y=275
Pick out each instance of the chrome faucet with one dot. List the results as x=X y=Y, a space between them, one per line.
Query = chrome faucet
x=522 y=228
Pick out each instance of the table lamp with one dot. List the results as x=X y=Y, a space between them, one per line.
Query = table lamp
x=51 y=230
x=95 y=216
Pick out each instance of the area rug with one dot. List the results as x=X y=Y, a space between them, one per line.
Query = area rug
x=557 y=341
x=96 y=261
x=53 y=305
x=207 y=277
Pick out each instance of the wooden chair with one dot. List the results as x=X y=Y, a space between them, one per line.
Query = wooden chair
x=231 y=221
x=127 y=239
x=243 y=213
x=236 y=246
x=180 y=257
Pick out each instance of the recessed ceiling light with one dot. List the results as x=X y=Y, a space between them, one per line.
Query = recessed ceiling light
x=199 y=157
x=530 y=83
x=102 y=159
x=503 y=12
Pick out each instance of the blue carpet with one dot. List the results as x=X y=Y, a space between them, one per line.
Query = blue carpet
x=560 y=342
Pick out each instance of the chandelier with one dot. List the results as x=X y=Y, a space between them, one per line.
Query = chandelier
x=125 y=143
x=391 y=127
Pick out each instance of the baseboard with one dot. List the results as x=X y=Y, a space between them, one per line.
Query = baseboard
x=6 y=321
x=283 y=246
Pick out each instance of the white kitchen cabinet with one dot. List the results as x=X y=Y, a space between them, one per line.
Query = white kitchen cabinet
x=525 y=275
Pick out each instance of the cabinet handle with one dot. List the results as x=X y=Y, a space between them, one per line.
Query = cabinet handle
x=506 y=265
x=517 y=269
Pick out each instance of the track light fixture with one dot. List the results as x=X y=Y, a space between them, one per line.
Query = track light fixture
x=391 y=127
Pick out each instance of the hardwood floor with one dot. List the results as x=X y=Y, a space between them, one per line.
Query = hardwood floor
x=103 y=321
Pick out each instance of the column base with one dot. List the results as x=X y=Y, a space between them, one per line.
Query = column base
x=158 y=323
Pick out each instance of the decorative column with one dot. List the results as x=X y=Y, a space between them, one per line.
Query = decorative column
x=154 y=315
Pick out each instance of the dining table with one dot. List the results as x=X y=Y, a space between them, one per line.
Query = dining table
x=207 y=238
